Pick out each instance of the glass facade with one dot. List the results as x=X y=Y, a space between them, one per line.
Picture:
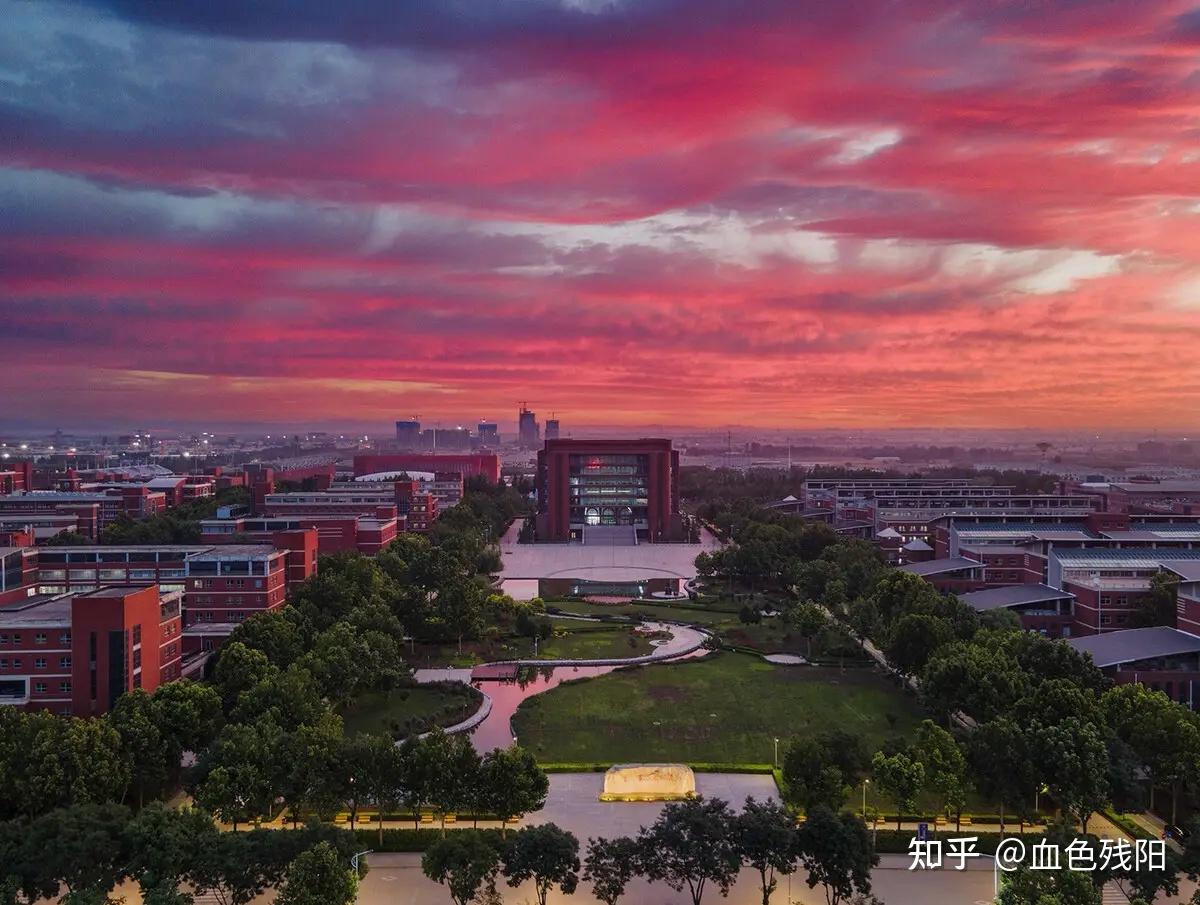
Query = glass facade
x=608 y=490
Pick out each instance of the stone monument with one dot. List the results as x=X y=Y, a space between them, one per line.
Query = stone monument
x=648 y=782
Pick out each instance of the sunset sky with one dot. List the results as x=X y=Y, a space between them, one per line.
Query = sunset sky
x=858 y=213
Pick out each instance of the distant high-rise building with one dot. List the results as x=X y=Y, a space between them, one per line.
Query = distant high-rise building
x=489 y=434
x=408 y=434
x=551 y=428
x=528 y=432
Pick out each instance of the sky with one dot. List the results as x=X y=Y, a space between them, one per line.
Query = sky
x=864 y=213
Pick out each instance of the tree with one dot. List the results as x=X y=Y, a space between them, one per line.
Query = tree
x=189 y=715
x=1047 y=887
x=318 y=877
x=511 y=783
x=545 y=854
x=1002 y=763
x=610 y=865
x=98 y=771
x=913 y=639
x=808 y=619
x=900 y=777
x=277 y=633
x=692 y=844
x=306 y=767
x=238 y=670
x=235 y=782
x=836 y=851
x=147 y=753
x=83 y=847
x=811 y=774
x=766 y=839
x=982 y=681
x=232 y=868
x=163 y=843
x=375 y=770
x=462 y=862
x=1073 y=759
x=450 y=768
x=1157 y=605
x=945 y=767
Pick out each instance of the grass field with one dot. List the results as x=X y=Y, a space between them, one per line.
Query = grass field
x=726 y=708
x=572 y=639
x=408 y=710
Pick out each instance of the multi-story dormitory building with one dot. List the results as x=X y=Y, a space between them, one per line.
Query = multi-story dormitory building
x=219 y=586
x=76 y=653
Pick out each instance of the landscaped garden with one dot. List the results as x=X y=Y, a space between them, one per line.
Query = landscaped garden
x=567 y=639
x=411 y=709
x=726 y=708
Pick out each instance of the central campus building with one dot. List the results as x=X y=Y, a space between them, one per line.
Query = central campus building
x=608 y=491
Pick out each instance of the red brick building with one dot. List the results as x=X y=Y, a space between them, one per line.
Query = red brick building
x=335 y=534
x=602 y=483
x=77 y=653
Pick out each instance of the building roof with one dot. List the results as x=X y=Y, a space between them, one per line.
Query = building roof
x=39 y=611
x=1133 y=644
x=1187 y=569
x=1013 y=595
x=234 y=551
x=888 y=533
x=1158 y=487
x=1143 y=558
x=1007 y=549
x=916 y=545
x=941 y=566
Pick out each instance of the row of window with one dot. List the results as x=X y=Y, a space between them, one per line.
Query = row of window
x=38 y=638
x=228 y=583
x=38 y=663
x=43 y=687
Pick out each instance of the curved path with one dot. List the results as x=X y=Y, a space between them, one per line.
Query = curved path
x=685 y=640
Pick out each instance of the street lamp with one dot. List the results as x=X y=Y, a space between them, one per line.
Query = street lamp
x=866 y=782
x=777 y=752
x=354 y=860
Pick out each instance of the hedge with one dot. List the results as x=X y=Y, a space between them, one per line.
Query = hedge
x=697 y=766
x=409 y=840
x=1135 y=830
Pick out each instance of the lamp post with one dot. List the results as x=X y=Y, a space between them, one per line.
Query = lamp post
x=866 y=782
x=777 y=752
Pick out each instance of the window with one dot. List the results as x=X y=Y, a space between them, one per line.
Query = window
x=18 y=663
x=64 y=638
x=64 y=687
x=39 y=638
x=3 y=662
x=39 y=662
x=137 y=634
x=64 y=663
x=3 y=638
x=39 y=687
x=16 y=639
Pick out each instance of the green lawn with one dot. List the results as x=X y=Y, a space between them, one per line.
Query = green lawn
x=572 y=639
x=589 y=641
x=411 y=710
x=724 y=709
x=698 y=614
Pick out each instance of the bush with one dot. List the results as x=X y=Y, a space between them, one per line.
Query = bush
x=409 y=840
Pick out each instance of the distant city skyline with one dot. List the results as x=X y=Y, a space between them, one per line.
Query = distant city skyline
x=866 y=215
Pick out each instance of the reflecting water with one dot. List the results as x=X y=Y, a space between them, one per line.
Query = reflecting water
x=496 y=730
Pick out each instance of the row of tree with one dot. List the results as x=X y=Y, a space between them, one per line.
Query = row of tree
x=175 y=857
x=695 y=845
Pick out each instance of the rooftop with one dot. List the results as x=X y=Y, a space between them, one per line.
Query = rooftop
x=1123 y=557
x=43 y=610
x=1187 y=569
x=1014 y=595
x=223 y=552
x=1131 y=645
x=941 y=566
